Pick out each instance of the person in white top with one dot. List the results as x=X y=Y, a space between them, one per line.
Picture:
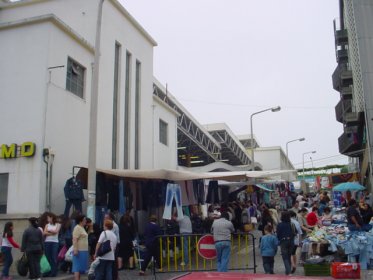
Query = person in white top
x=104 y=270
x=51 y=231
x=6 y=248
x=185 y=228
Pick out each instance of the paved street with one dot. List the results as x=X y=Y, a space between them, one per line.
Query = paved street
x=279 y=269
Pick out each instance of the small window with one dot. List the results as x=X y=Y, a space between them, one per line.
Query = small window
x=75 y=77
x=4 y=179
x=163 y=132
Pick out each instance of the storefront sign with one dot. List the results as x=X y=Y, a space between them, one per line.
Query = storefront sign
x=27 y=149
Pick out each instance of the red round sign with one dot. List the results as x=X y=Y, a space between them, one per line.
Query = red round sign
x=206 y=247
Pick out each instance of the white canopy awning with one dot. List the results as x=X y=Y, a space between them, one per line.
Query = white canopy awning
x=178 y=175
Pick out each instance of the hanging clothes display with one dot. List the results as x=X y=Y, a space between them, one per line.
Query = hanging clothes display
x=101 y=198
x=199 y=191
x=122 y=205
x=213 y=193
x=190 y=191
x=173 y=192
x=73 y=191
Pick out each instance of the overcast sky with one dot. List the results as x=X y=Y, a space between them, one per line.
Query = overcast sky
x=224 y=60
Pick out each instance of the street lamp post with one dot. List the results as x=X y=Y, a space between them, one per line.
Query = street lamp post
x=287 y=150
x=273 y=109
x=311 y=164
x=312 y=152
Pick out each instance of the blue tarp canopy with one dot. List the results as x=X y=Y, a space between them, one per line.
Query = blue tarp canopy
x=263 y=187
x=348 y=186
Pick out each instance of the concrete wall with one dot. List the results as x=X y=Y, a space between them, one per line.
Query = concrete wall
x=41 y=110
x=273 y=158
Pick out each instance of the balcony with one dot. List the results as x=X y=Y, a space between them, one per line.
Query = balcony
x=353 y=118
x=342 y=56
x=349 y=143
x=346 y=92
x=342 y=77
x=341 y=37
x=341 y=109
x=351 y=129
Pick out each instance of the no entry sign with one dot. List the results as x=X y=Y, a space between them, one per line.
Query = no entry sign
x=206 y=247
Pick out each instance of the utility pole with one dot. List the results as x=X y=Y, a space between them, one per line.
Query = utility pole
x=93 y=121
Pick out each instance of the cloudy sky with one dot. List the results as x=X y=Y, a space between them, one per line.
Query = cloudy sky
x=224 y=60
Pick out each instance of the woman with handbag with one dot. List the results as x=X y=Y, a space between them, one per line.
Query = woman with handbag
x=33 y=246
x=80 y=245
x=6 y=248
x=105 y=249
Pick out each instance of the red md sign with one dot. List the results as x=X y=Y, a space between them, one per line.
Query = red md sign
x=206 y=247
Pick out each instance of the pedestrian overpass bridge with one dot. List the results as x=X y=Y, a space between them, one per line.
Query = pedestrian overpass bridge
x=202 y=145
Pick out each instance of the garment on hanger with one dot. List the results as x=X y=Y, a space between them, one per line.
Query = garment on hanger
x=184 y=193
x=122 y=203
x=113 y=194
x=173 y=192
x=199 y=191
x=190 y=191
x=213 y=193
x=73 y=191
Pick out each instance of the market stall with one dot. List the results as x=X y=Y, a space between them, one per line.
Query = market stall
x=329 y=247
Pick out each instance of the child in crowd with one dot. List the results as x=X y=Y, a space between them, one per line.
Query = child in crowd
x=268 y=249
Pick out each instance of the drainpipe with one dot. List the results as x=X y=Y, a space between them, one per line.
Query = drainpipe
x=48 y=158
x=45 y=157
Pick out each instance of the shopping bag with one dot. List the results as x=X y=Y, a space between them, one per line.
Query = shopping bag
x=62 y=253
x=105 y=247
x=22 y=265
x=253 y=220
x=45 y=267
x=69 y=254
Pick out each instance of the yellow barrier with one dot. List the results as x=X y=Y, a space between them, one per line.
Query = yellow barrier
x=173 y=254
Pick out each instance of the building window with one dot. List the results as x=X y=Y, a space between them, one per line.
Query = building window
x=127 y=94
x=4 y=179
x=163 y=132
x=137 y=114
x=115 y=106
x=75 y=77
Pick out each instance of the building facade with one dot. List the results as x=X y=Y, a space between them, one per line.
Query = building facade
x=353 y=79
x=46 y=59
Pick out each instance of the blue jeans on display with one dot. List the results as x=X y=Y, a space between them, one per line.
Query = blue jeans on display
x=173 y=192
x=223 y=251
x=8 y=260
x=51 y=252
x=366 y=227
x=286 y=250
x=104 y=271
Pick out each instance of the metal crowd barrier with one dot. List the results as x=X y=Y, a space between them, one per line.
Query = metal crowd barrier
x=172 y=253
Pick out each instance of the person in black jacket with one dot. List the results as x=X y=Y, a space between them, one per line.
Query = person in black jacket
x=266 y=220
x=127 y=235
x=33 y=246
x=152 y=231
x=285 y=236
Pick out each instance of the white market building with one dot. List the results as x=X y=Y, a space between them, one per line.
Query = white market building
x=46 y=58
